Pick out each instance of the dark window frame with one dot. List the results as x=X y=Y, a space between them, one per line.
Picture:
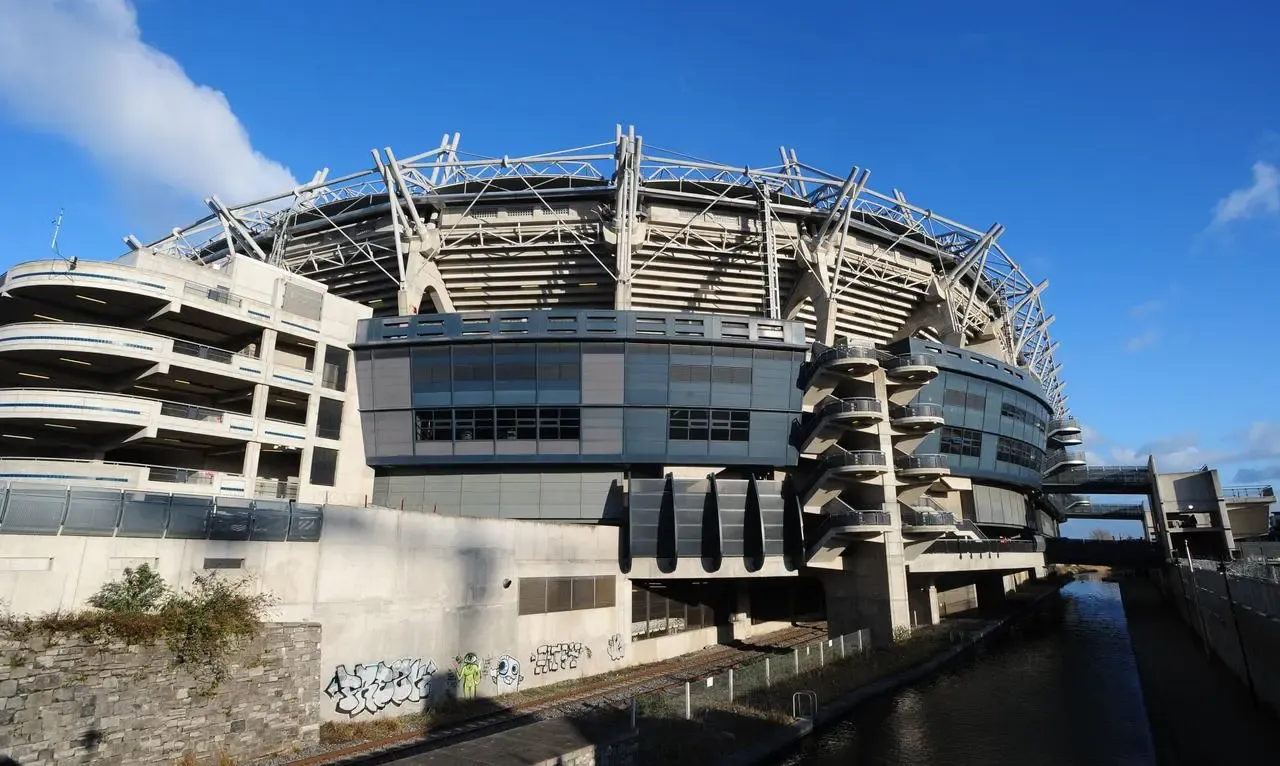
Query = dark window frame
x=964 y=442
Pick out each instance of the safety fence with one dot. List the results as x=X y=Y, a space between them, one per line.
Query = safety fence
x=739 y=684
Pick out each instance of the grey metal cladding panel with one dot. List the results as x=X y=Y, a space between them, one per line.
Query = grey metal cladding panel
x=690 y=394
x=369 y=432
x=602 y=431
x=433 y=448
x=392 y=387
x=731 y=497
x=558 y=447
x=144 y=514
x=678 y=448
x=645 y=505
x=305 y=524
x=270 y=524
x=690 y=498
x=769 y=437
x=92 y=512
x=516 y=447
x=364 y=379
x=772 y=512
x=393 y=432
x=602 y=378
x=521 y=496
x=34 y=510
x=648 y=373
x=473 y=448
x=401 y=483
x=646 y=432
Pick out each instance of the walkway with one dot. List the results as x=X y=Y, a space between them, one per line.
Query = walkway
x=1199 y=713
x=564 y=740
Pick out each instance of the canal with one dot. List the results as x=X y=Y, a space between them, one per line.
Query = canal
x=1064 y=688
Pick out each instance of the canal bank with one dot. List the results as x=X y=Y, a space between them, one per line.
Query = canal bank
x=968 y=636
x=1199 y=713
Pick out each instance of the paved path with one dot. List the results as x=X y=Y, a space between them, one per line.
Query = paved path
x=535 y=743
x=1200 y=714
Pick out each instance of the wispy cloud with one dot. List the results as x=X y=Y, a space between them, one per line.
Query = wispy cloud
x=1145 y=340
x=79 y=69
x=1257 y=448
x=1261 y=198
x=1146 y=308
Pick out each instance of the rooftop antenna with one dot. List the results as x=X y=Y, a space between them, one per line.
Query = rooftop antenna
x=57 y=229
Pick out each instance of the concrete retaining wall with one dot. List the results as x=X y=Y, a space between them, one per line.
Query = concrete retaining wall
x=415 y=606
x=72 y=702
x=1251 y=650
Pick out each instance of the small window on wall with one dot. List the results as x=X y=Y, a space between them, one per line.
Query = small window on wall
x=961 y=441
x=434 y=426
x=329 y=418
x=324 y=466
x=709 y=425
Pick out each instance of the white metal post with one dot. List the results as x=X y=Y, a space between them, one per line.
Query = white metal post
x=688 y=708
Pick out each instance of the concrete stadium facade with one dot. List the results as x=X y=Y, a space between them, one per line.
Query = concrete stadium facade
x=556 y=412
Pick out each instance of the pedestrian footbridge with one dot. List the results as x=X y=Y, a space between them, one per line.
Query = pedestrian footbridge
x=1112 y=553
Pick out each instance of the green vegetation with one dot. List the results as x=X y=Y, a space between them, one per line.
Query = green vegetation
x=202 y=625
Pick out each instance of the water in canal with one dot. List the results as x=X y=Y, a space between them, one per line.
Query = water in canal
x=1064 y=690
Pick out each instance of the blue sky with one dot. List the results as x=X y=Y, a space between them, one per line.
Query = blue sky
x=1131 y=149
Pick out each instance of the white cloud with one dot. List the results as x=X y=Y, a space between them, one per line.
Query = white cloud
x=1139 y=342
x=1254 y=452
x=79 y=68
x=1146 y=308
x=1261 y=198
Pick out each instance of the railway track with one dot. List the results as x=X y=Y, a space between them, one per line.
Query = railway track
x=586 y=696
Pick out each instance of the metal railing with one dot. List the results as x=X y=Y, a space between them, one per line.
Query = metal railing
x=849 y=351
x=720 y=690
x=927 y=460
x=1117 y=474
x=1062 y=425
x=280 y=489
x=1261 y=490
x=982 y=546
x=911 y=360
x=164 y=474
x=215 y=294
x=192 y=412
x=967 y=525
x=832 y=406
x=918 y=517
x=200 y=351
x=844 y=459
x=1060 y=458
x=917 y=410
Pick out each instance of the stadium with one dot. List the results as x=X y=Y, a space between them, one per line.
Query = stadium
x=508 y=402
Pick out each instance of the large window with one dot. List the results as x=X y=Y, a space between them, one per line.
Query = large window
x=961 y=441
x=1021 y=416
x=972 y=401
x=329 y=418
x=1018 y=453
x=541 y=595
x=502 y=423
x=324 y=466
x=709 y=425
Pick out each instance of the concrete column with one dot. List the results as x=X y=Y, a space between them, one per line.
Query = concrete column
x=871 y=592
x=991 y=591
x=741 y=618
x=923 y=598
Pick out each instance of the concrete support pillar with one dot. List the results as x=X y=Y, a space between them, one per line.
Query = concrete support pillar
x=923 y=598
x=741 y=618
x=991 y=591
x=421 y=275
x=871 y=592
x=824 y=313
x=252 y=452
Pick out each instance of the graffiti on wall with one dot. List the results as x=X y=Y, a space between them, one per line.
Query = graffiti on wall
x=504 y=672
x=468 y=671
x=370 y=688
x=617 y=649
x=551 y=658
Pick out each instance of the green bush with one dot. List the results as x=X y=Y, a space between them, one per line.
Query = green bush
x=142 y=590
x=202 y=625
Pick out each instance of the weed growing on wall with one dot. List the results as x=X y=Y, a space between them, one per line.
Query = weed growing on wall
x=202 y=625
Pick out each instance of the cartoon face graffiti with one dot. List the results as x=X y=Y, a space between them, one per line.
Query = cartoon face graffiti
x=505 y=671
x=468 y=674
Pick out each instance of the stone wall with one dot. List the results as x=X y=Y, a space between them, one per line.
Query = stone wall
x=67 y=701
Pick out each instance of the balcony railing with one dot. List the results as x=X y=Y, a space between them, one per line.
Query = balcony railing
x=221 y=356
x=1257 y=491
x=217 y=295
x=855 y=350
x=922 y=462
x=852 y=459
x=910 y=360
x=276 y=488
x=1064 y=425
x=834 y=406
x=918 y=517
x=917 y=410
x=1061 y=458
x=982 y=546
x=191 y=412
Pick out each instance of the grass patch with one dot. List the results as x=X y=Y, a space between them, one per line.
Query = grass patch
x=202 y=626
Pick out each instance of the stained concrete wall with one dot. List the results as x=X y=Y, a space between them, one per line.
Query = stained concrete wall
x=1245 y=637
x=404 y=598
x=69 y=701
